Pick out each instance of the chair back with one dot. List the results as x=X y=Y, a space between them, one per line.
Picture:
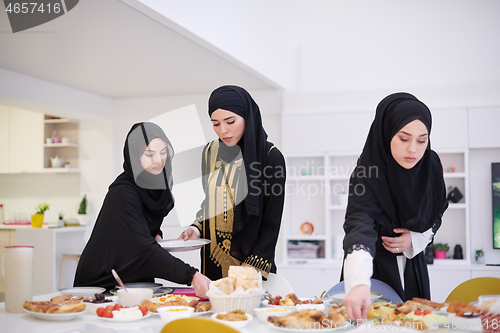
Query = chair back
x=277 y=285
x=469 y=291
x=196 y=325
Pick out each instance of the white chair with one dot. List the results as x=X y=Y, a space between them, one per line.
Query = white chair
x=277 y=285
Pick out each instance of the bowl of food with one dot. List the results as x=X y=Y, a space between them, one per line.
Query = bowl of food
x=226 y=303
x=236 y=319
x=169 y=313
x=134 y=296
x=277 y=311
x=99 y=301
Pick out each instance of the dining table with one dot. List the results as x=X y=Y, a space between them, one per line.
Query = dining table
x=86 y=323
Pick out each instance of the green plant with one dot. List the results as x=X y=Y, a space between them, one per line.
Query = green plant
x=83 y=205
x=41 y=208
x=61 y=215
x=479 y=254
x=441 y=247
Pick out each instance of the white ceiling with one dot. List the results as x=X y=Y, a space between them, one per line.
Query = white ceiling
x=110 y=49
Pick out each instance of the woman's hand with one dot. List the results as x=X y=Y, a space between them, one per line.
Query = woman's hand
x=158 y=238
x=200 y=283
x=358 y=302
x=188 y=233
x=398 y=244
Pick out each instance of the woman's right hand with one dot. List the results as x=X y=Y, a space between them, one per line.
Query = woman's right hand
x=188 y=233
x=200 y=283
x=358 y=302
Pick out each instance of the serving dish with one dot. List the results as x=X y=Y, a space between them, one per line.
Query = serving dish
x=83 y=291
x=149 y=285
x=179 y=245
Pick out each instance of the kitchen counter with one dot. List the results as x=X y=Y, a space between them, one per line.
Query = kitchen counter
x=49 y=244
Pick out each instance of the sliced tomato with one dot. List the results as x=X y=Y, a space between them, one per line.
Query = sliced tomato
x=418 y=312
x=107 y=313
x=99 y=311
x=110 y=307
x=117 y=306
x=426 y=312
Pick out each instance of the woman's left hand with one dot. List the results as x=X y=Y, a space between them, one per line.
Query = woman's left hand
x=158 y=238
x=398 y=244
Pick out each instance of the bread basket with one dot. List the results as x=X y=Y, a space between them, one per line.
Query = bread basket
x=226 y=303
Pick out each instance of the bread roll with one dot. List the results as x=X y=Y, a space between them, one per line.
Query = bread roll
x=226 y=285
x=243 y=272
x=246 y=284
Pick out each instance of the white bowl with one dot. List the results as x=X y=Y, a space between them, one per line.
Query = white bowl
x=134 y=296
x=234 y=324
x=169 y=313
x=277 y=311
x=226 y=303
x=92 y=307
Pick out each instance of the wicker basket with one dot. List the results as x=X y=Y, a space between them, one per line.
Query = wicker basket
x=490 y=322
x=225 y=303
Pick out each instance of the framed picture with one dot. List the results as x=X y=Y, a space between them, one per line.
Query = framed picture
x=495 y=185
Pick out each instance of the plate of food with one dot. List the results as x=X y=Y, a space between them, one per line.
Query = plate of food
x=59 y=308
x=127 y=320
x=178 y=245
x=236 y=319
x=119 y=314
x=310 y=321
x=55 y=316
x=290 y=301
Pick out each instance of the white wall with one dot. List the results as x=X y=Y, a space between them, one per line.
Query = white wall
x=250 y=33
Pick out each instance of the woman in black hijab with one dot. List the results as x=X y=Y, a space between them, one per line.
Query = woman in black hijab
x=125 y=234
x=396 y=201
x=244 y=183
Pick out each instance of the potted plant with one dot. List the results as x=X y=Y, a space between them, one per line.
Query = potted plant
x=37 y=218
x=440 y=250
x=82 y=211
x=61 y=219
x=479 y=256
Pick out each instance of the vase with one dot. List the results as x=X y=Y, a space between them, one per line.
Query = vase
x=480 y=260
x=37 y=220
x=440 y=254
x=82 y=219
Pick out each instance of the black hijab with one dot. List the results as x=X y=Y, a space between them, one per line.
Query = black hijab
x=253 y=142
x=411 y=198
x=154 y=190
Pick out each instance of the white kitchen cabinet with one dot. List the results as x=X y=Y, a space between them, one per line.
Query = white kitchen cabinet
x=4 y=138
x=67 y=151
x=23 y=148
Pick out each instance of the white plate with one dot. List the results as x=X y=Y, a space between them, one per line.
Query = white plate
x=128 y=319
x=288 y=329
x=178 y=245
x=54 y=316
x=340 y=295
x=83 y=291
x=200 y=313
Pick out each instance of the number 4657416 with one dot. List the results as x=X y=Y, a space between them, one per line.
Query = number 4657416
x=32 y=7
